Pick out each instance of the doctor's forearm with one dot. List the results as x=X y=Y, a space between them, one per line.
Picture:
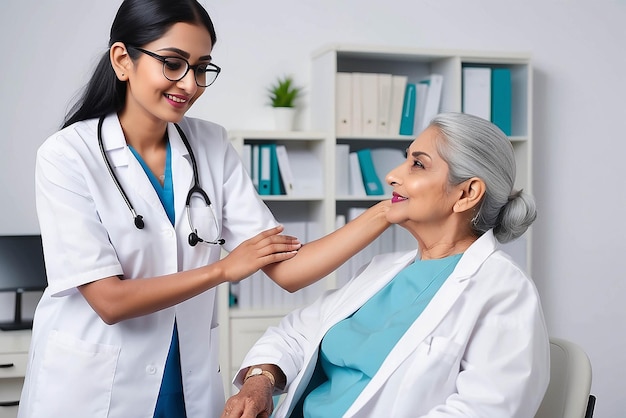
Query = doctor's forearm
x=320 y=257
x=114 y=299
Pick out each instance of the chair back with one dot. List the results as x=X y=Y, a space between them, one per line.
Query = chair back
x=568 y=394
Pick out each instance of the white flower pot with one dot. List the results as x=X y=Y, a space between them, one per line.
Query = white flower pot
x=284 y=118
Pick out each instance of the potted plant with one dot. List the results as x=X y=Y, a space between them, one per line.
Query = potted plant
x=283 y=94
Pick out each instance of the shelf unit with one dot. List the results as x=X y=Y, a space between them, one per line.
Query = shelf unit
x=240 y=328
x=417 y=64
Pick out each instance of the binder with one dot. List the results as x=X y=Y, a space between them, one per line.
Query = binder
x=356 y=178
x=421 y=94
x=343 y=104
x=357 y=104
x=384 y=104
x=501 y=97
x=342 y=169
x=433 y=99
x=371 y=182
x=286 y=175
x=408 y=110
x=369 y=103
x=265 y=184
x=276 y=187
x=477 y=91
x=308 y=178
x=398 y=86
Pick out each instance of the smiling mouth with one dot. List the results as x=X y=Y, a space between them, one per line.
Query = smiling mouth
x=176 y=99
x=395 y=198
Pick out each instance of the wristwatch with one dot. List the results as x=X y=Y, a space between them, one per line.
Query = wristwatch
x=257 y=371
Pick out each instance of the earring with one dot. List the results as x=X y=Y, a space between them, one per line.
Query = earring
x=474 y=220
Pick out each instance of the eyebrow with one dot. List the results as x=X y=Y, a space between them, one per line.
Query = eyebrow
x=416 y=154
x=185 y=54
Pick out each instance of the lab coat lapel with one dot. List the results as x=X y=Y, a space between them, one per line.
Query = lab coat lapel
x=182 y=172
x=128 y=170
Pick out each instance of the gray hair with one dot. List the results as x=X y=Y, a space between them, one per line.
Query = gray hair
x=474 y=147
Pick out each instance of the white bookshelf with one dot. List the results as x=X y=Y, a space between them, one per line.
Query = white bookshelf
x=417 y=64
x=240 y=328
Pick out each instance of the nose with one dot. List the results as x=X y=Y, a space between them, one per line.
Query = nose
x=392 y=178
x=188 y=82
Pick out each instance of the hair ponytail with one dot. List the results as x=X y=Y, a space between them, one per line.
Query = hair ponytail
x=104 y=94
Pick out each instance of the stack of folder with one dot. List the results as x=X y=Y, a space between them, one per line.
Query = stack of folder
x=276 y=170
x=379 y=104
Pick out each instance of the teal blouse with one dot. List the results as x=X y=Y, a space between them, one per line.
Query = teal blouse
x=171 y=401
x=353 y=350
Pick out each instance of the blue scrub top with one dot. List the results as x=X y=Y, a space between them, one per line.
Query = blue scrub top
x=371 y=333
x=171 y=400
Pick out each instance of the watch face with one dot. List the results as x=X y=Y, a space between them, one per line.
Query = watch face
x=256 y=371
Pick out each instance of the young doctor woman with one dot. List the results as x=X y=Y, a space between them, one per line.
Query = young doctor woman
x=135 y=202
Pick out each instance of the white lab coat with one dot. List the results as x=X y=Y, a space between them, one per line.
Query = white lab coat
x=480 y=348
x=78 y=365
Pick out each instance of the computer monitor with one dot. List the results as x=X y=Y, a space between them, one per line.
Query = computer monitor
x=22 y=269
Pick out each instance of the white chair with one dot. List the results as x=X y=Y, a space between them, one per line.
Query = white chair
x=568 y=394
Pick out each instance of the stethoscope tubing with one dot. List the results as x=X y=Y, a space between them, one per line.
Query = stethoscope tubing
x=195 y=188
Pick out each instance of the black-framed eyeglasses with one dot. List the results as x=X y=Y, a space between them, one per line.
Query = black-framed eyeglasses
x=175 y=68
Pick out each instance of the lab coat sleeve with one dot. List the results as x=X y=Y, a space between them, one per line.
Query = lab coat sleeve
x=77 y=248
x=292 y=342
x=505 y=368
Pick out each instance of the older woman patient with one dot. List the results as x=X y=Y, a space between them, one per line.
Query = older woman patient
x=454 y=328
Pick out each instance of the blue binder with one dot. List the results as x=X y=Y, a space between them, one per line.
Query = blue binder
x=264 y=166
x=408 y=110
x=373 y=185
x=501 y=99
x=275 y=180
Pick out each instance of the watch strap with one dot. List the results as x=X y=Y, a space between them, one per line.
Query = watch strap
x=257 y=371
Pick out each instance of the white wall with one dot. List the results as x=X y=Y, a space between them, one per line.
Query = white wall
x=49 y=47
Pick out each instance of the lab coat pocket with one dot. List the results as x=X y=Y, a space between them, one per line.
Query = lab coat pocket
x=429 y=375
x=443 y=349
x=76 y=378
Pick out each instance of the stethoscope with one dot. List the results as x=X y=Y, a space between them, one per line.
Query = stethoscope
x=193 y=238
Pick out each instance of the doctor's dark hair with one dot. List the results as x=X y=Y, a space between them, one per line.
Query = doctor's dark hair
x=137 y=23
x=475 y=147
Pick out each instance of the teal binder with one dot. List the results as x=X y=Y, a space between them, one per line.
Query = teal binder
x=408 y=110
x=373 y=185
x=501 y=98
x=264 y=166
x=275 y=180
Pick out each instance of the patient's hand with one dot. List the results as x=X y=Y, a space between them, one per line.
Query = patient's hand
x=253 y=400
